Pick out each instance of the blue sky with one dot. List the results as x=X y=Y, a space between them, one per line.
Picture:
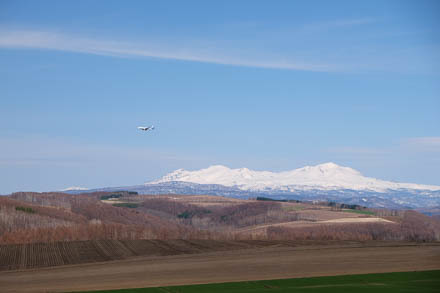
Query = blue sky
x=268 y=85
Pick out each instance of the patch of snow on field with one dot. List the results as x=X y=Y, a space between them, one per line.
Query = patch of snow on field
x=357 y=220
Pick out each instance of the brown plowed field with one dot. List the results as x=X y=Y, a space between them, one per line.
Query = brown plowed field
x=167 y=263
x=37 y=255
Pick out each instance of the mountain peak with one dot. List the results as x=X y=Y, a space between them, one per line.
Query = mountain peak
x=217 y=167
x=329 y=165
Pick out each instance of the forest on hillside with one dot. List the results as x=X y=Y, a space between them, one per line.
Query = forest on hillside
x=28 y=217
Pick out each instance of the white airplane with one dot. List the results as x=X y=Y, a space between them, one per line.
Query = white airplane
x=146 y=128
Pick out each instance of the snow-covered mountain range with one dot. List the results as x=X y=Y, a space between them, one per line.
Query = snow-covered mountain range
x=74 y=188
x=328 y=176
x=328 y=182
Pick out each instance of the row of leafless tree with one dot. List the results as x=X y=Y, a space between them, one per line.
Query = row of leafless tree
x=34 y=217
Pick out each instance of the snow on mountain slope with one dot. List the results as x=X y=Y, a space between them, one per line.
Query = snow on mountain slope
x=74 y=188
x=328 y=176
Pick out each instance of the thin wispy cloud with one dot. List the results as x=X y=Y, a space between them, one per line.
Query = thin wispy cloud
x=346 y=23
x=361 y=151
x=428 y=143
x=32 y=39
x=414 y=145
x=49 y=157
x=40 y=150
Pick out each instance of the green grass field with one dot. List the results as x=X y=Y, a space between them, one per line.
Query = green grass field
x=427 y=281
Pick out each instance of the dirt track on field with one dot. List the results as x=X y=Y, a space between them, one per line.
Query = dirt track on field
x=227 y=266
